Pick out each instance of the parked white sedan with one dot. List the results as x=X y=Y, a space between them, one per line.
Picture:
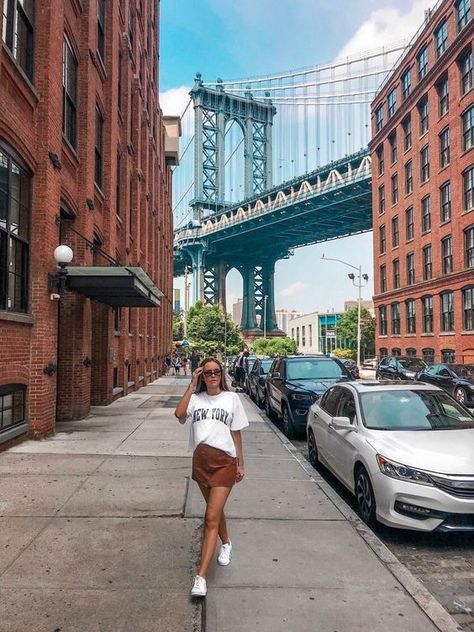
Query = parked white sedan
x=405 y=450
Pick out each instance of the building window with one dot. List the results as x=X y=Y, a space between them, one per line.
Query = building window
x=69 y=93
x=392 y=102
x=396 y=352
x=406 y=84
x=406 y=124
x=468 y=129
x=379 y=118
x=444 y=148
x=394 y=189
x=395 y=232
x=381 y=199
x=303 y=336
x=469 y=247
x=409 y=177
x=423 y=113
x=117 y=313
x=411 y=353
x=441 y=39
x=447 y=311
x=427 y=263
x=18 y=32
x=463 y=12
x=427 y=313
x=118 y=184
x=468 y=189
x=465 y=68
x=12 y=406
x=382 y=244
x=382 y=320
x=297 y=336
x=468 y=308
x=422 y=60
x=392 y=139
x=310 y=331
x=445 y=201
x=425 y=214
x=425 y=163
x=119 y=80
x=383 y=352
x=409 y=226
x=101 y=28
x=448 y=356
x=395 y=319
x=99 y=147
x=443 y=96
x=396 y=273
x=380 y=160
x=411 y=316
x=15 y=209
x=410 y=268
x=383 y=278
x=447 y=255
x=428 y=355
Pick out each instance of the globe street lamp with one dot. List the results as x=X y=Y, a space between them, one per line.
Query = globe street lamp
x=359 y=285
x=62 y=255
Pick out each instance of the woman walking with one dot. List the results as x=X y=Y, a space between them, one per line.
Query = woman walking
x=217 y=417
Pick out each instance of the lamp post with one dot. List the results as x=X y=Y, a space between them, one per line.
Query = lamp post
x=186 y=302
x=62 y=255
x=359 y=285
x=265 y=299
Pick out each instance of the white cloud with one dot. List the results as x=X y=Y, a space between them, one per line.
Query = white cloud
x=387 y=25
x=293 y=289
x=174 y=100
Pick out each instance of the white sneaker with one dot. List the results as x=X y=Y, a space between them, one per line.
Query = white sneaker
x=199 y=588
x=225 y=554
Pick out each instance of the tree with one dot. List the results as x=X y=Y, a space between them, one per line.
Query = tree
x=274 y=346
x=207 y=330
x=178 y=327
x=347 y=328
x=345 y=353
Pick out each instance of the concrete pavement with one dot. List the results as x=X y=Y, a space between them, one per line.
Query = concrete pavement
x=100 y=530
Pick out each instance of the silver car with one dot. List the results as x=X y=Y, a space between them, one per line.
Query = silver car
x=405 y=450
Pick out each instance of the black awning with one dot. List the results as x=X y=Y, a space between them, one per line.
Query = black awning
x=118 y=286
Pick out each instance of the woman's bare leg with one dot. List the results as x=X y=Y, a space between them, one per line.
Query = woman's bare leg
x=215 y=506
x=223 y=533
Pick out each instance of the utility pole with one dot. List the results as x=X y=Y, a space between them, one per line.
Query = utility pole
x=186 y=302
x=265 y=299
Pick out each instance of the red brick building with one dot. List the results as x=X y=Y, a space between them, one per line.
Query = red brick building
x=423 y=193
x=85 y=161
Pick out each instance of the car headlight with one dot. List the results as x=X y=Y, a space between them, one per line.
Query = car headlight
x=402 y=472
x=299 y=397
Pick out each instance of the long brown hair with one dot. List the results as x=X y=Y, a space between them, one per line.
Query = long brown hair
x=201 y=385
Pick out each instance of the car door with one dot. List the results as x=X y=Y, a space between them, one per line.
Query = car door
x=274 y=384
x=253 y=376
x=341 y=444
x=381 y=368
x=322 y=416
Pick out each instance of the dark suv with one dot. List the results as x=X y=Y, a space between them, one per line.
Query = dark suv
x=294 y=383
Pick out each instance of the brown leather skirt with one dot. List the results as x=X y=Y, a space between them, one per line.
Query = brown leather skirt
x=213 y=467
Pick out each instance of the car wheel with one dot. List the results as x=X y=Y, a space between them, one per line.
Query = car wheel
x=365 y=497
x=313 y=450
x=460 y=395
x=288 y=427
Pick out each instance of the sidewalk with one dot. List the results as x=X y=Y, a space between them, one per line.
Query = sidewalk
x=100 y=530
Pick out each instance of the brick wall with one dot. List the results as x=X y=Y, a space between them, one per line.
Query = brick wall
x=137 y=233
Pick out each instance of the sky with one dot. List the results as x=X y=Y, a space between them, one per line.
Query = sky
x=237 y=39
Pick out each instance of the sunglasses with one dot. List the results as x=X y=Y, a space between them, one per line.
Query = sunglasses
x=211 y=373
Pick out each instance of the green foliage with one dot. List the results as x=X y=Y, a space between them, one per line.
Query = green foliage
x=347 y=328
x=274 y=346
x=206 y=331
x=178 y=327
x=345 y=353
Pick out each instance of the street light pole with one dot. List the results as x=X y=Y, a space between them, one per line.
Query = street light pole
x=186 y=302
x=265 y=298
x=359 y=286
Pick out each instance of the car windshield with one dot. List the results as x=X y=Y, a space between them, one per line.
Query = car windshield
x=413 y=410
x=412 y=364
x=314 y=369
x=266 y=364
x=463 y=370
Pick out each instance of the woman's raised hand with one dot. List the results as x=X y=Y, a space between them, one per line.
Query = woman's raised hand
x=196 y=375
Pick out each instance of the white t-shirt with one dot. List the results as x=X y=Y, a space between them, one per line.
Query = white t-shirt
x=212 y=419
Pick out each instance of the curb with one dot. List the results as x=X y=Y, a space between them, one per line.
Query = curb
x=437 y=614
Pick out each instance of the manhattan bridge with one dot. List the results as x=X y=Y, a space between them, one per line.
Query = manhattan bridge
x=270 y=164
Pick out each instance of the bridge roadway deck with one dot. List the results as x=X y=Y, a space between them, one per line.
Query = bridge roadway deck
x=100 y=531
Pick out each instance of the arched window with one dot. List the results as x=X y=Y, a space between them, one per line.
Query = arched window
x=428 y=355
x=383 y=352
x=411 y=352
x=396 y=352
x=448 y=355
x=15 y=202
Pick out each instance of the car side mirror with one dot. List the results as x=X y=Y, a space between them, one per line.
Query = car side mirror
x=342 y=423
x=276 y=374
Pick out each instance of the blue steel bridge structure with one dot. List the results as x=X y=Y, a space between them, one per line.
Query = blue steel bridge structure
x=270 y=164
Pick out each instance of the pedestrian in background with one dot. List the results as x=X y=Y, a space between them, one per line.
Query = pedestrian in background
x=217 y=417
x=177 y=365
x=168 y=364
x=194 y=360
x=240 y=369
x=185 y=365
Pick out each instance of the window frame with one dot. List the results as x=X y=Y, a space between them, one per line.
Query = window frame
x=466 y=71
x=410 y=268
x=395 y=318
x=462 y=19
x=395 y=231
x=467 y=134
x=409 y=177
x=383 y=325
x=14 y=11
x=444 y=148
x=427 y=313
x=410 y=311
x=447 y=255
x=447 y=315
x=468 y=241
x=396 y=273
x=441 y=44
x=468 y=189
x=442 y=88
x=424 y=114
x=445 y=204
x=405 y=81
x=382 y=240
x=99 y=147
x=427 y=258
x=468 y=308
x=425 y=163
x=409 y=225
x=7 y=391
x=69 y=128
x=426 y=214
x=422 y=62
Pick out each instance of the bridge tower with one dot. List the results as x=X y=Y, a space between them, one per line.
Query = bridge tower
x=213 y=110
